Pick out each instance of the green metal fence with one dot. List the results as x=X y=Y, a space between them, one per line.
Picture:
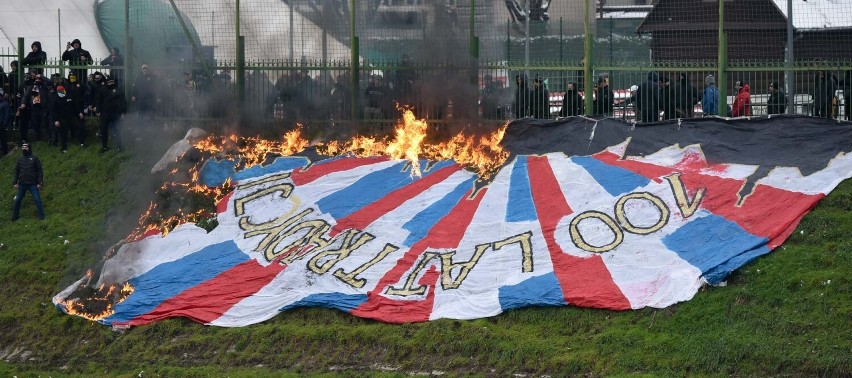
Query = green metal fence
x=337 y=63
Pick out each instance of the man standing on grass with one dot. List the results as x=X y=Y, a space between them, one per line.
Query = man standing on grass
x=28 y=177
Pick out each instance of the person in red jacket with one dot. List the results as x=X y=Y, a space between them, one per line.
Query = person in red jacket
x=742 y=103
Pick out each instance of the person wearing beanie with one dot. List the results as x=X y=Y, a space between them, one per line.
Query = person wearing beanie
x=647 y=100
x=777 y=102
x=76 y=56
x=36 y=57
x=63 y=111
x=28 y=177
x=710 y=99
x=742 y=103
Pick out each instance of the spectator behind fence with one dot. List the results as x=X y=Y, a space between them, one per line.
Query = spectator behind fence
x=76 y=56
x=490 y=98
x=603 y=97
x=115 y=59
x=521 y=104
x=847 y=95
x=572 y=102
x=777 y=102
x=540 y=104
x=648 y=99
x=742 y=103
x=824 y=94
x=668 y=98
x=36 y=57
x=686 y=97
x=710 y=99
x=144 y=92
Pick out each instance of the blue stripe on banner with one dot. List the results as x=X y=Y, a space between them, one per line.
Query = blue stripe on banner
x=170 y=279
x=537 y=291
x=519 y=206
x=716 y=246
x=615 y=180
x=281 y=164
x=371 y=188
x=216 y=172
x=420 y=224
x=339 y=301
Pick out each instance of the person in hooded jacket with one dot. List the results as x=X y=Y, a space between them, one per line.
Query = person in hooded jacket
x=63 y=112
x=647 y=99
x=12 y=90
x=572 y=102
x=35 y=101
x=847 y=95
x=76 y=56
x=710 y=98
x=742 y=103
x=112 y=108
x=36 y=57
x=77 y=92
x=521 y=105
x=28 y=177
x=603 y=103
x=686 y=97
x=777 y=102
x=824 y=94
x=540 y=104
x=96 y=90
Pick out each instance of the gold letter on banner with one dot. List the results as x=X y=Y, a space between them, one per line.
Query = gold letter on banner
x=408 y=288
x=349 y=278
x=578 y=240
x=524 y=242
x=629 y=227
x=346 y=247
x=687 y=207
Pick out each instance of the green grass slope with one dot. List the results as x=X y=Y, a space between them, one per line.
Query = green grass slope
x=786 y=314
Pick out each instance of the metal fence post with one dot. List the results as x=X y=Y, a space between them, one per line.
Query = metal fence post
x=354 y=66
x=20 y=63
x=588 y=38
x=788 y=63
x=722 y=81
x=241 y=69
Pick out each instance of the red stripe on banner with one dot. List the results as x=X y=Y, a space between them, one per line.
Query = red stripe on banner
x=767 y=212
x=447 y=233
x=222 y=206
x=207 y=301
x=304 y=176
x=585 y=281
x=362 y=218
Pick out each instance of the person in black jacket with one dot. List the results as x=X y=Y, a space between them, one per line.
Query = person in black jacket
x=63 y=113
x=540 y=104
x=572 y=102
x=603 y=97
x=777 y=102
x=648 y=99
x=668 y=98
x=115 y=59
x=36 y=57
x=521 y=105
x=76 y=56
x=5 y=121
x=112 y=108
x=824 y=94
x=35 y=102
x=29 y=177
x=77 y=92
x=687 y=97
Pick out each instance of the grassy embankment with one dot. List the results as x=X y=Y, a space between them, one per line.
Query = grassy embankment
x=787 y=314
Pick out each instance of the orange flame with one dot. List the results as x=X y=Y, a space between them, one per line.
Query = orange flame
x=101 y=303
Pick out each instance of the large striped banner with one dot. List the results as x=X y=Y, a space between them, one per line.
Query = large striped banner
x=586 y=213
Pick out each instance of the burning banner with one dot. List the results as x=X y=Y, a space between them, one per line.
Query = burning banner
x=574 y=212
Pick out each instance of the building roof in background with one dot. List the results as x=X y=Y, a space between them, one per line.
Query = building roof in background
x=39 y=20
x=819 y=14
